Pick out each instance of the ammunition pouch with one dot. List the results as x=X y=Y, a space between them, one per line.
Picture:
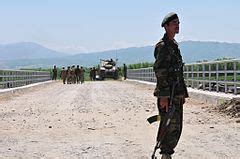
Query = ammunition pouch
x=161 y=93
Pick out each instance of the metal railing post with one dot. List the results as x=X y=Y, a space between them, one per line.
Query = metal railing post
x=235 y=76
x=225 y=77
x=217 y=89
x=203 y=75
x=192 y=76
x=210 y=75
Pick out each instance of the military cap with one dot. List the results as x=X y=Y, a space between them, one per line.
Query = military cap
x=169 y=17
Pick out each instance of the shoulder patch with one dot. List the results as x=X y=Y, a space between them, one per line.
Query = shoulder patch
x=159 y=46
x=160 y=43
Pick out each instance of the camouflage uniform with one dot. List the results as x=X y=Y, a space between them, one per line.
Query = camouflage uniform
x=69 y=75
x=94 y=73
x=73 y=76
x=125 y=71
x=168 y=67
x=78 y=74
x=64 y=75
x=91 y=74
x=54 y=73
x=82 y=75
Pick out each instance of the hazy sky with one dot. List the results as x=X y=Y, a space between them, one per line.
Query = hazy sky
x=96 y=25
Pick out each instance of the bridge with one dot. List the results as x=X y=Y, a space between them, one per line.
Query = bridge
x=17 y=78
x=104 y=119
x=219 y=76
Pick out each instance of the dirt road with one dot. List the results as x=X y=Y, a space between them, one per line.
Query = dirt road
x=105 y=120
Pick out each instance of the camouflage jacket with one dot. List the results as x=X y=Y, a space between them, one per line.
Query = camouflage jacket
x=168 y=67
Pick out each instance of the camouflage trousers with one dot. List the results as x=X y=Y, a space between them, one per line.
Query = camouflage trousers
x=174 y=129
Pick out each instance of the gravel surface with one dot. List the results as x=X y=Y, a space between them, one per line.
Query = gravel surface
x=105 y=119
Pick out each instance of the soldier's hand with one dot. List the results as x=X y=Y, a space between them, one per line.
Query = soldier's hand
x=164 y=103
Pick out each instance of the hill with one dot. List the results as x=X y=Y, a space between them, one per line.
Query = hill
x=27 y=50
x=191 y=51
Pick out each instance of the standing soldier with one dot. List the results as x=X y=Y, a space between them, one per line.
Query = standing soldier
x=64 y=75
x=73 y=76
x=78 y=74
x=125 y=71
x=91 y=74
x=68 y=75
x=54 y=73
x=168 y=69
x=94 y=73
x=82 y=74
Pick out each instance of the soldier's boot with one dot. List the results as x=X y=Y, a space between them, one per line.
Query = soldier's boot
x=166 y=156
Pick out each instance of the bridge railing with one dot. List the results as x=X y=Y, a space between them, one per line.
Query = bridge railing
x=220 y=76
x=17 y=78
x=143 y=74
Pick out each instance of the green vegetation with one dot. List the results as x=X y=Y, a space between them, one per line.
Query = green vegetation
x=140 y=65
x=214 y=66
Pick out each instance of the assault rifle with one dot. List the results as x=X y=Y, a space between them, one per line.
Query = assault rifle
x=164 y=127
x=153 y=119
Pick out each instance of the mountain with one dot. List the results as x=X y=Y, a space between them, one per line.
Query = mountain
x=27 y=50
x=128 y=55
x=191 y=51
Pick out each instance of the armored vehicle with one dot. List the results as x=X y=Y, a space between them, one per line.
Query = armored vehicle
x=108 y=69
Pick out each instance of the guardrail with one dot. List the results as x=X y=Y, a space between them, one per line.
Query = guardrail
x=17 y=78
x=143 y=74
x=220 y=76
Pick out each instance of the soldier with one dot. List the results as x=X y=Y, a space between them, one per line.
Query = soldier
x=94 y=73
x=68 y=75
x=82 y=75
x=64 y=75
x=168 y=69
x=54 y=73
x=125 y=71
x=91 y=74
x=73 y=76
x=78 y=74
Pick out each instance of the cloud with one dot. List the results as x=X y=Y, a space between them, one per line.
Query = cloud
x=122 y=44
x=71 y=49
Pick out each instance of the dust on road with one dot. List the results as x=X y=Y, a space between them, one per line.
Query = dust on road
x=105 y=119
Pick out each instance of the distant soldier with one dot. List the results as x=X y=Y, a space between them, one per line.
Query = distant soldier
x=112 y=62
x=91 y=74
x=73 y=76
x=94 y=73
x=78 y=74
x=54 y=73
x=170 y=86
x=82 y=75
x=64 y=75
x=125 y=71
x=69 y=75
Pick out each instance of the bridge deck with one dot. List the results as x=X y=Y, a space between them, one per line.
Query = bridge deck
x=105 y=120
